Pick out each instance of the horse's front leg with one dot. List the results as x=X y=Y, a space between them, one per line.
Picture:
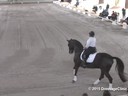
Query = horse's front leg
x=75 y=70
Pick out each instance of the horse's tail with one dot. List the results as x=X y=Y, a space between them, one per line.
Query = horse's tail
x=120 y=69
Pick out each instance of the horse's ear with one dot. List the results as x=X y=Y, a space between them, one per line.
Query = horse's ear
x=70 y=40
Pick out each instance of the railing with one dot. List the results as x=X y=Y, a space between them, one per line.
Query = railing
x=24 y=1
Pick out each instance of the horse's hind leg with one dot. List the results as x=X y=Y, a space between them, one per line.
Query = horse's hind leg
x=109 y=78
x=100 y=78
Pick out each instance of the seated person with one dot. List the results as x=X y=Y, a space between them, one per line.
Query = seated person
x=126 y=21
x=113 y=16
x=94 y=9
x=106 y=93
x=104 y=14
x=85 y=94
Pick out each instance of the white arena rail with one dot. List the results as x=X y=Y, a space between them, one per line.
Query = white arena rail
x=24 y=1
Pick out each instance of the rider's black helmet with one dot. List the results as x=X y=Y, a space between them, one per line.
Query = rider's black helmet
x=91 y=34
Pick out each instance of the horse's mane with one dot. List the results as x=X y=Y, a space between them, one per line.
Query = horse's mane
x=78 y=43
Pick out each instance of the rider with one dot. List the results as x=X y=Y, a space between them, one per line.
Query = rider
x=90 y=46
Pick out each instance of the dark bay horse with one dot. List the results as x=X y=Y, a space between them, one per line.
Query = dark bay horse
x=103 y=61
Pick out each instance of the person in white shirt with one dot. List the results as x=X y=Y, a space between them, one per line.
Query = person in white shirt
x=90 y=46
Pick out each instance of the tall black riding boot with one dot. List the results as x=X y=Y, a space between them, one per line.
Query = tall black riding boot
x=83 y=64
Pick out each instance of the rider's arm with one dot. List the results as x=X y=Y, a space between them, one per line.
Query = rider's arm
x=87 y=44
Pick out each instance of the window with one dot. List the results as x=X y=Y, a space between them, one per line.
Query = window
x=101 y=1
x=126 y=4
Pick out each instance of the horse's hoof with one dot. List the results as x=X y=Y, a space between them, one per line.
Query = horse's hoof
x=73 y=81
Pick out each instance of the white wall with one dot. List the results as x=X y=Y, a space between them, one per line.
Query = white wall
x=88 y=4
x=25 y=0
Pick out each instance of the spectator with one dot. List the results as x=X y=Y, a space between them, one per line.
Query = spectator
x=100 y=7
x=126 y=21
x=107 y=6
x=95 y=9
x=118 y=19
x=77 y=3
x=123 y=13
x=113 y=16
x=104 y=14
x=85 y=94
x=106 y=93
x=99 y=10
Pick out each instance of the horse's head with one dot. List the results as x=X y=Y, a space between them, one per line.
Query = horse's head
x=74 y=45
x=70 y=46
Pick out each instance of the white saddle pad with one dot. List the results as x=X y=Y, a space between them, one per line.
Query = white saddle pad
x=81 y=56
x=91 y=58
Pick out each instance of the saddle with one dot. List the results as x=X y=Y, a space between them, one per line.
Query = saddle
x=90 y=59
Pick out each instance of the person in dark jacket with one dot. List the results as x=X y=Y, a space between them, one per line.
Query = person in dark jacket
x=106 y=93
x=123 y=13
x=85 y=94
x=104 y=13
x=95 y=9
